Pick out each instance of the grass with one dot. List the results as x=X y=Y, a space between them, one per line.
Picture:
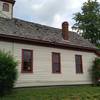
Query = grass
x=55 y=93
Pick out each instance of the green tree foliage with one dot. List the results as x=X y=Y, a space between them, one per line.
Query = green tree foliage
x=88 y=21
x=8 y=72
x=96 y=71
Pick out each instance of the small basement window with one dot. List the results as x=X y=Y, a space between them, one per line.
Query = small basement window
x=27 y=61
x=6 y=7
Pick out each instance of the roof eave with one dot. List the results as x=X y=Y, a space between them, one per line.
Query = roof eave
x=9 y=1
x=45 y=43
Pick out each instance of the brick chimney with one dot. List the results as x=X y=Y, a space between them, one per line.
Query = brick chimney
x=65 y=30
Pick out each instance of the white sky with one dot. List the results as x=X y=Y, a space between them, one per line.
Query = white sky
x=48 y=12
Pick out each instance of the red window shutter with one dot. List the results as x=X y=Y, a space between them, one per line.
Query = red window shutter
x=56 y=68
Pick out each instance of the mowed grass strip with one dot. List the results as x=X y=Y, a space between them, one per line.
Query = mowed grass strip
x=55 y=93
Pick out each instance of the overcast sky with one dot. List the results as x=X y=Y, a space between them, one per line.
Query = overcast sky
x=47 y=12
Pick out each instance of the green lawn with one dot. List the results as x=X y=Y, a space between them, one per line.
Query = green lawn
x=55 y=93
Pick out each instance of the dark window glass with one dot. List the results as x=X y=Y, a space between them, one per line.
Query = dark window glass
x=79 y=67
x=6 y=7
x=27 y=60
x=56 y=63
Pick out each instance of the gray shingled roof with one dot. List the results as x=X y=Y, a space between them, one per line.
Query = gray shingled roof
x=20 y=28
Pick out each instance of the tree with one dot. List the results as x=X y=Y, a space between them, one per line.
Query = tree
x=96 y=71
x=88 y=21
x=8 y=72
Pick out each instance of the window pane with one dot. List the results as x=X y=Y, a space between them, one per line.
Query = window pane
x=27 y=62
x=56 y=58
x=78 y=60
x=56 y=63
x=56 y=68
x=27 y=56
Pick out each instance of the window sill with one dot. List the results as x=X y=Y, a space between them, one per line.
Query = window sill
x=26 y=72
x=56 y=73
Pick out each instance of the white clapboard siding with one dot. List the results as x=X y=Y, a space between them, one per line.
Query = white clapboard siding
x=42 y=66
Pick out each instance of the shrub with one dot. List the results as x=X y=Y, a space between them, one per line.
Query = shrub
x=8 y=72
x=96 y=71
